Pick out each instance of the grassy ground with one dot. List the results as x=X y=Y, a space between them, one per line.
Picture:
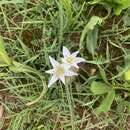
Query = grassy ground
x=32 y=31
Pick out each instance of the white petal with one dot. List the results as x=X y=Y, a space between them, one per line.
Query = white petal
x=66 y=52
x=62 y=78
x=52 y=81
x=78 y=60
x=75 y=65
x=70 y=73
x=63 y=60
x=50 y=71
x=75 y=53
x=66 y=66
x=53 y=62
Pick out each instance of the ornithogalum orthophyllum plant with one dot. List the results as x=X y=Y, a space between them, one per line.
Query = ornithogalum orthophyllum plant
x=65 y=69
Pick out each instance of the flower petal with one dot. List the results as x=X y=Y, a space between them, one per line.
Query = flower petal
x=63 y=60
x=66 y=66
x=62 y=78
x=70 y=73
x=52 y=81
x=75 y=65
x=66 y=52
x=78 y=60
x=53 y=62
x=50 y=71
x=75 y=53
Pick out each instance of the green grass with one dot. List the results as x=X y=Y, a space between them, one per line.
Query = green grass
x=32 y=31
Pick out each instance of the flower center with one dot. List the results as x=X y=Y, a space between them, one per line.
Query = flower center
x=70 y=59
x=59 y=71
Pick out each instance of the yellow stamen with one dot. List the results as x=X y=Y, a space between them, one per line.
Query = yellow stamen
x=59 y=71
x=70 y=59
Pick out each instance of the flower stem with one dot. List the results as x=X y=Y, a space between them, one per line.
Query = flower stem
x=70 y=106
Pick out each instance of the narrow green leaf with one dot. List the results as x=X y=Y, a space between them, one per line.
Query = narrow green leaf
x=11 y=2
x=3 y=74
x=92 y=37
x=90 y=26
x=68 y=8
x=2 y=48
x=97 y=61
x=128 y=106
x=61 y=22
x=4 y=59
x=103 y=74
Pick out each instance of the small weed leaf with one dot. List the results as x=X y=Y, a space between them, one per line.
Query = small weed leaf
x=106 y=103
x=92 y=37
x=90 y=26
x=4 y=59
x=127 y=75
x=93 y=22
x=103 y=74
x=98 y=88
x=121 y=5
x=117 y=5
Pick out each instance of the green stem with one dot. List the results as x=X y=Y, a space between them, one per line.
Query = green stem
x=70 y=106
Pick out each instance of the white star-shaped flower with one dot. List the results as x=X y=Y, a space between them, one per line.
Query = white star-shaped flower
x=71 y=59
x=59 y=71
